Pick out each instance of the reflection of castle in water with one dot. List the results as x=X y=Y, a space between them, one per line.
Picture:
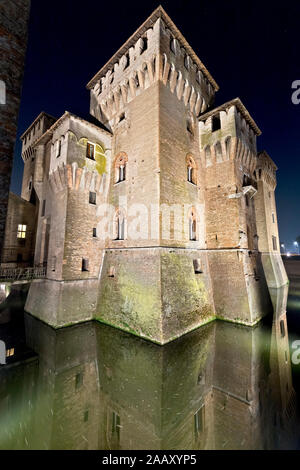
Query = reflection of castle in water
x=221 y=387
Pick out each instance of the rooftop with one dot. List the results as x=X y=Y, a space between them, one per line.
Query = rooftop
x=235 y=102
x=48 y=134
x=35 y=121
x=158 y=13
x=264 y=154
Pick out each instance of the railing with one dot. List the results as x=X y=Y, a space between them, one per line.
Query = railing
x=22 y=274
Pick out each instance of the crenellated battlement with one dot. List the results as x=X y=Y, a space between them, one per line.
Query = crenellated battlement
x=75 y=178
x=229 y=133
x=156 y=52
x=266 y=169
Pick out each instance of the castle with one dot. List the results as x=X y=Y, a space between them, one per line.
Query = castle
x=157 y=215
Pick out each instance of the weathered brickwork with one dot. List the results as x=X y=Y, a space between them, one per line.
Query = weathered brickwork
x=13 y=32
x=193 y=208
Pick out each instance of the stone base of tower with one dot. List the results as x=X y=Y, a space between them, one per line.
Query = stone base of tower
x=62 y=303
x=274 y=270
x=155 y=293
x=239 y=286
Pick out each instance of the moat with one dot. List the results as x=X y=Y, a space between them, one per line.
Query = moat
x=91 y=386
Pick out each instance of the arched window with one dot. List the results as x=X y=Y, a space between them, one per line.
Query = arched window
x=208 y=156
x=192 y=225
x=120 y=167
x=191 y=169
x=119 y=225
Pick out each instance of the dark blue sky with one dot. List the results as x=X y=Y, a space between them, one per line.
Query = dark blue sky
x=250 y=48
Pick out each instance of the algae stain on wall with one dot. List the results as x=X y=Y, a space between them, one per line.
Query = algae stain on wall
x=99 y=163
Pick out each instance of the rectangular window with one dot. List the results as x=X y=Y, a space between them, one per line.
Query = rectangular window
x=90 y=151
x=282 y=328
x=116 y=424
x=10 y=352
x=53 y=263
x=197 y=266
x=215 y=123
x=85 y=264
x=92 y=198
x=274 y=241
x=21 y=231
x=94 y=232
x=273 y=218
x=43 y=208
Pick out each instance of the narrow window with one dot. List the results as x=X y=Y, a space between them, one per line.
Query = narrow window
x=85 y=264
x=94 y=232
x=247 y=200
x=21 y=233
x=43 y=208
x=173 y=45
x=86 y=416
x=199 y=421
x=192 y=229
x=282 y=328
x=111 y=272
x=197 y=266
x=19 y=258
x=122 y=173
x=58 y=148
x=187 y=62
x=216 y=123
x=78 y=380
x=273 y=218
x=116 y=425
x=274 y=242
x=92 y=198
x=144 y=45
x=53 y=267
x=190 y=174
x=90 y=151
x=120 y=228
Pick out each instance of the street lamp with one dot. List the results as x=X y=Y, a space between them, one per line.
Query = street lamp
x=297 y=245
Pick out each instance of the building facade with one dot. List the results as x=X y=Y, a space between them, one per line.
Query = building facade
x=161 y=216
x=13 y=26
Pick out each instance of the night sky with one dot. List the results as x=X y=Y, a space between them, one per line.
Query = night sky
x=250 y=48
